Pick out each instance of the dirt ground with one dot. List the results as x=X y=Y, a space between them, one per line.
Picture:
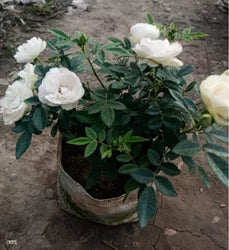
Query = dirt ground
x=30 y=218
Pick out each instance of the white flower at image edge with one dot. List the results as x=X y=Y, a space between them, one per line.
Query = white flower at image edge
x=61 y=87
x=143 y=30
x=215 y=94
x=158 y=52
x=30 y=50
x=12 y=105
x=28 y=75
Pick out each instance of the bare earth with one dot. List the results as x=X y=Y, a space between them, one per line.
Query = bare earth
x=195 y=220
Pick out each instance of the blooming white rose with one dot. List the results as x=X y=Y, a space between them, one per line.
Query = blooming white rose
x=143 y=30
x=158 y=52
x=28 y=75
x=215 y=94
x=30 y=50
x=12 y=105
x=61 y=87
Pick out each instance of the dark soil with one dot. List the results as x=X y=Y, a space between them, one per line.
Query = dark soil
x=110 y=184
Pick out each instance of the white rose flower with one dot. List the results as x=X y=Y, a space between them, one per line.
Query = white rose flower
x=28 y=75
x=143 y=30
x=30 y=50
x=158 y=52
x=215 y=94
x=12 y=105
x=61 y=87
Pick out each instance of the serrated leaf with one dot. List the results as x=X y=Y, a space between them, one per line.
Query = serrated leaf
x=153 y=157
x=185 y=70
x=23 y=143
x=147 y=206
x=219 y=134
x=90 y=148
x=190 y=163
x=165 y=186
x=102 y=135
x=127 y=168
x=170 y=168
x=155 y=123
x=216 y=149
x=187 y=148
x=101 y=56
x=204 y=176
x=40 y=118
x=58 y=33
x=123 y=158
x=80 y=141
x=116 y=105
x=91 y=133
x=219 y=166
x=143 y=175
x=107 y=115
x=135 y=139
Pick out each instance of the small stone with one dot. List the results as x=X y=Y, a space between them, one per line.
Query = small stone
x=13 y=177
x=201 y=190
x=136 y=244
x=204 y=11
x=49 y=193
x=168 y=9
x=216 y=219
x=170 y=232
x=222 y=205
x=180 y=164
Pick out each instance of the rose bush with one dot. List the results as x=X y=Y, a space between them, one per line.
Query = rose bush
x=138 y=120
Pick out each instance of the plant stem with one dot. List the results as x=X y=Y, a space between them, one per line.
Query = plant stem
x=132 y=158
x=94 y=71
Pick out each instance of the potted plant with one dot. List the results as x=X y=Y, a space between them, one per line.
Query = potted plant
x=119 y=139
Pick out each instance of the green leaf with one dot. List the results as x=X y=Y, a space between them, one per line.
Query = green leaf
x=119 y=51
x=116 y=105
x=170 y=168
x=101 y=56
x=115 y=40
x=185 y=70
x=127 y=168
x=130 y=185
x=136 y=139
x=23 y=143
x=102 y=135
x=123 y=158
x=19 y=127
x=190 y=163
x=204 y=176
x=190 y=86
x=219 y=166
x=216 y=149
x=34 y=100
x=187 y=148
x=90 y=148
x=118 y=85
x=54 y=130
x=96 y=108
x=107 y=115
x=165 y=186
x=155 y=123
x=58 y=33
x=219 y=134
x=153 y=157
x=143 y=175
x=149 y=19
x=91 y=133
x=147 y=206
x=79 y=141
x=40 y=119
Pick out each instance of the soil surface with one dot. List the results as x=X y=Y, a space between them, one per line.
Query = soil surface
x=30 y=218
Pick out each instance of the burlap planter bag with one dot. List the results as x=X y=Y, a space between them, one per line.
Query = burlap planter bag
x=73 y=198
